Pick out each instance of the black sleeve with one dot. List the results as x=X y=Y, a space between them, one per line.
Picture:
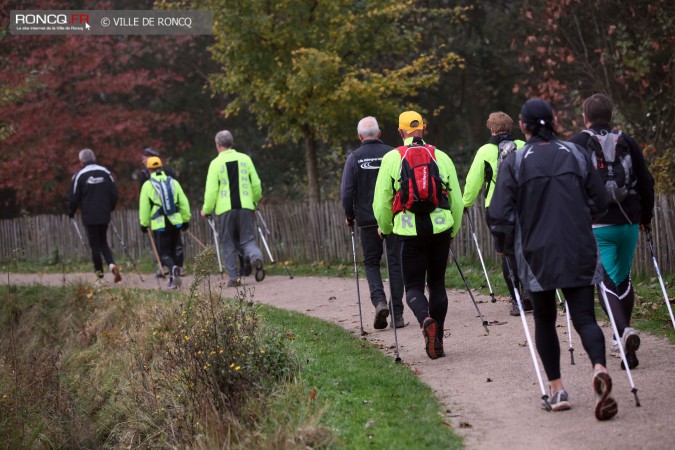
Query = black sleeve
x=501 y=215
x=581 y=139
x=598 y=199
x=645 y=181
x=348 y=187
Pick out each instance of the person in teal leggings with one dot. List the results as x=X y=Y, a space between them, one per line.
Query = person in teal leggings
x=617 y=232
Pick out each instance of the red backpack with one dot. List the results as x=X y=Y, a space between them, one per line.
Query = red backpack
x=422 y=189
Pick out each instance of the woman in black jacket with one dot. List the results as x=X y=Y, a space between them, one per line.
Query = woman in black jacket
x=546 y=195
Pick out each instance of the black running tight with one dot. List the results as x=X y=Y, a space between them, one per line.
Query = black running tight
x=581 y=304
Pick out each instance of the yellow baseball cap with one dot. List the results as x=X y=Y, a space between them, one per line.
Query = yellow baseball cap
x=153 y=163
x=410 y=121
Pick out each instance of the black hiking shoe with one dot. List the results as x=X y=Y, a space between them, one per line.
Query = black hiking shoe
x=605 y=405
x=400 y=321
x=631 y=342
x=248 y=268
x=429 y=331
x=514 y=309
x=234 y=283
x=438 y=346
x=381 y=314
x=259 y=271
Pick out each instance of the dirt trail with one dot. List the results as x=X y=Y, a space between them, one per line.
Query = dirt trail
x=487 y=382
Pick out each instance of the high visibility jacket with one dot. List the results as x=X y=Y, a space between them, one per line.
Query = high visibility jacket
x=150 y=210
x=232 y=183
x=407 y=223
x=484 y=162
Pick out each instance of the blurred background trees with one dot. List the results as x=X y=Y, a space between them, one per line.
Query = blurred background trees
x=292 y=78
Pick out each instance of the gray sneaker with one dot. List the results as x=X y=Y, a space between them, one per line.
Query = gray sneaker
x=176 y=277
x=381 y=314
x=560 y=401
x=631 y=342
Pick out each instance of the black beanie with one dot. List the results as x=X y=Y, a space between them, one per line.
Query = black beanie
x=537 y=115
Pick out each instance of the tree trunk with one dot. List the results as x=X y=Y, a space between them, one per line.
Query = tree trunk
x=312 y=170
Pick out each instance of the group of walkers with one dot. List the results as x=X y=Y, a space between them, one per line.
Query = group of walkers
x=233 y=190
x=564 y=215
x=558 y=221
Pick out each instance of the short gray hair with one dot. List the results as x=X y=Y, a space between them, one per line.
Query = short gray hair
x=87 y=156
x=368 y=127
x=224 y=139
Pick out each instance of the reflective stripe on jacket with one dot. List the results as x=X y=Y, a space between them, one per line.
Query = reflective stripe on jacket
x=232 y=183
x=408 y=223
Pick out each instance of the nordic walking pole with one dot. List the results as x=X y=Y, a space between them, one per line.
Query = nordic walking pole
x=601 y=288
x=77 y=230
x=544 y=396
x=159 y=262
x=215 y=238
x=356 y=275
x=648 y=235
x=466 y=283
x=126 y=251
x=267 y=230
x=480 y=255
x=192 y=236
x=267 y=248
x=391 y=299
x=569 y=327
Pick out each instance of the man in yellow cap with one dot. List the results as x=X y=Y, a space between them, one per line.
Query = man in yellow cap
x=164 y=207
x=424 y=223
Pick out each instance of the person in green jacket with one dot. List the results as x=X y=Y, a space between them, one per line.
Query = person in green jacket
x=424 y=238
x=233 y=191
x=483 y=175
x=164 y=208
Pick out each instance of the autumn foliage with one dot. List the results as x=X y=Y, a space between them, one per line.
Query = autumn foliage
x=101 y=92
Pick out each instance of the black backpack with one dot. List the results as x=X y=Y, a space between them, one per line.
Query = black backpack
x=611 y=158
x=504 y=149
x=422 y=189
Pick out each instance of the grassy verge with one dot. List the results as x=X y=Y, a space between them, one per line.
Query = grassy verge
x=370 y=400
x=85 y=367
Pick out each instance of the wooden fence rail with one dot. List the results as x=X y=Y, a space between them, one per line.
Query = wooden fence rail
x=298 y=232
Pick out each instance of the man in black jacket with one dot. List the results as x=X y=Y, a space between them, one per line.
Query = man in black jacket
x=358 y=184
x=546 y=196
x=617 y=232
x=93 y=191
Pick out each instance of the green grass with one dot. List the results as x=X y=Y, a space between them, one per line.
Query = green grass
x=76 y=366
x=371 y=401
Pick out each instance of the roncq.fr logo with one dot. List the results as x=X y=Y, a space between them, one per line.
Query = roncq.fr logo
x=52 y=19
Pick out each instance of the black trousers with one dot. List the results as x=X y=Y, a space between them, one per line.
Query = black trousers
x=424 y=260
x=98 y=242
x=580 y=301
x=373 y=248
x=170 y=247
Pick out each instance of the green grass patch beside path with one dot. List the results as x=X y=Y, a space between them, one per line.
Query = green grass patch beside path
x=370 y=400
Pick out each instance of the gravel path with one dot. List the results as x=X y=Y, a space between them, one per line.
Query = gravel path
x=487 y=381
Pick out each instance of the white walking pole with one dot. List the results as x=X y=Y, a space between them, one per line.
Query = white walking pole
x=544 y=396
